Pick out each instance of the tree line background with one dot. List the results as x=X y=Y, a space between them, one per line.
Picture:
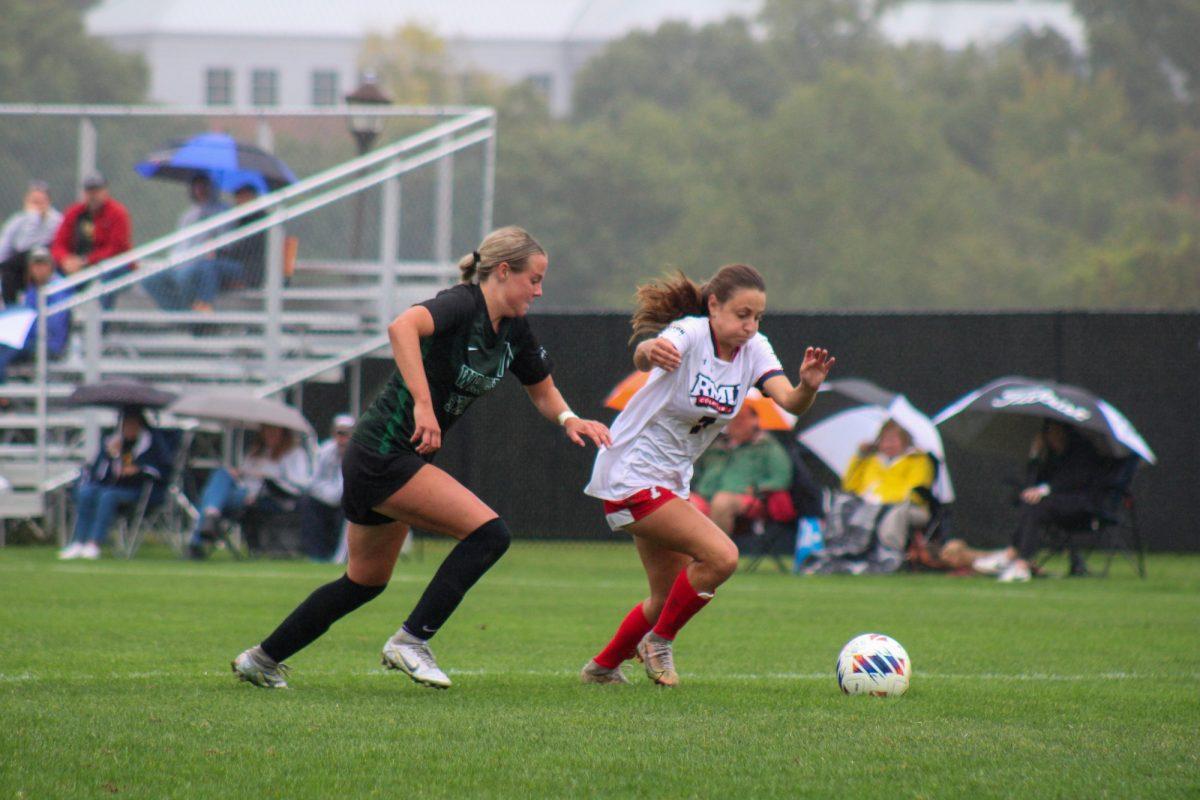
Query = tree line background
x=853 y=173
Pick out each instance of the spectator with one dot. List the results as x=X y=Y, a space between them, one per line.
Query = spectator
x=1064 y=485
x=321 y=515
x=271 y=479
x=180 y=287
x=745 y=462
x=244 y=262
x=95 y=228
x=888 y=472
x=867 y=524
x=127 y=459
x=34 y=226
x=58 y=327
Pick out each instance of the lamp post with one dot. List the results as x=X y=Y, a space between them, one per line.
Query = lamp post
x=365 y=128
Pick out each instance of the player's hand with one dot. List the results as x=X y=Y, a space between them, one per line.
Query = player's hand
x=663 y=354
x=577 y=429
x=427 y=434
x=815 y=367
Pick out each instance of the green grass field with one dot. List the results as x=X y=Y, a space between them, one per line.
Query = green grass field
x=114 y=680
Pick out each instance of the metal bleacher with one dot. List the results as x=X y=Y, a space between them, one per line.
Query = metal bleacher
x=312 y=325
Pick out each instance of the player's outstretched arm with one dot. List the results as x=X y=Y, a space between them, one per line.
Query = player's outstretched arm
x=405 y=334
x=813 y=372
x=551 y=405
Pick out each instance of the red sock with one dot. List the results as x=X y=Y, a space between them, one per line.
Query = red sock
x=682 y=604
x=632 y=629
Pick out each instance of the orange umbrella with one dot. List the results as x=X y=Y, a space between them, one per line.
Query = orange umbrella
x=771 y=416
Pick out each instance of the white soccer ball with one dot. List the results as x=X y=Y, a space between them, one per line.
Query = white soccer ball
x=873 y=664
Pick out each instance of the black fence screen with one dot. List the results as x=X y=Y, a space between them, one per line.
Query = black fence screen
x=1147 y=365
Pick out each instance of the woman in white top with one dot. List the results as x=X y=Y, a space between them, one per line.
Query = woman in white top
x=272 y=477
x=703 y=355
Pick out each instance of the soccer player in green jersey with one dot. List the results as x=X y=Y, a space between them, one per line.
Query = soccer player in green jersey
x=448 y=351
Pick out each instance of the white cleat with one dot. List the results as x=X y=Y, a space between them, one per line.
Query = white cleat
x=594 y=673
x=655 y=653
x=413 y=657
x=255 y=666
x=70 y=552
x=90 y=551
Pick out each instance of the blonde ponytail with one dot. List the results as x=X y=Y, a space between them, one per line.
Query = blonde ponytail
x=509 y=244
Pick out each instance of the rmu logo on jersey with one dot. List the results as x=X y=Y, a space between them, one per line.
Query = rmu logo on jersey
x=720 y=397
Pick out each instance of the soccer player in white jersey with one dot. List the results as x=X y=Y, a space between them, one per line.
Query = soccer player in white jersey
x=703 y=355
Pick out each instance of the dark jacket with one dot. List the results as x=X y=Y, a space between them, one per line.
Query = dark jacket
x=1078 y=470
x=149 y=452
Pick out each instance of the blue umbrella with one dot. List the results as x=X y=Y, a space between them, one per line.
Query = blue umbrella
x=229 y=163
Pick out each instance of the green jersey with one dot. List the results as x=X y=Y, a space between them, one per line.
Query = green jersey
x=464 y=359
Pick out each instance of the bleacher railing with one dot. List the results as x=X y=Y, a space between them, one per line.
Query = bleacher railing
x=377 y=173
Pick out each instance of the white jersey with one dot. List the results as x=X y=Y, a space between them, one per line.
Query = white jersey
x=671 y=420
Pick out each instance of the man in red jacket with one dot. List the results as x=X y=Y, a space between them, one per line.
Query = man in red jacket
x=92 y=230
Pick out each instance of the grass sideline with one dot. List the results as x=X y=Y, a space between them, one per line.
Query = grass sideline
x=114 y=681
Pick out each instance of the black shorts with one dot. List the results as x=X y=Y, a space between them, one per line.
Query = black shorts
x=369 y=478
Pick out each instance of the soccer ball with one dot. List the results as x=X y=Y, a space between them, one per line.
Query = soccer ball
x=873 y=664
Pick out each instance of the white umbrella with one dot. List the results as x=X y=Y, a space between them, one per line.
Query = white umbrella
x=241 y=410
x=835 y=439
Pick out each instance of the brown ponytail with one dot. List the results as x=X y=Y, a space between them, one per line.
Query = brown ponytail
x=662 y=301
x=510 y=244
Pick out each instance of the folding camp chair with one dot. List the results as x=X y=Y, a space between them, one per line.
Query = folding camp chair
x=1112 y=529
x=162 y=505
x=775 y=537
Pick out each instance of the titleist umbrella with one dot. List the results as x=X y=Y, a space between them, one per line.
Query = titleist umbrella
x=1007 y=413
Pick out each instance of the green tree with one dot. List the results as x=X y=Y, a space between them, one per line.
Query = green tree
x=677 y=65
x=47 y=57
x=806 y=36
x=1151 y=45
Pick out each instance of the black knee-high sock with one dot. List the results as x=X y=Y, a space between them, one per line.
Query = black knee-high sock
x=312 y=618
x=466 y=564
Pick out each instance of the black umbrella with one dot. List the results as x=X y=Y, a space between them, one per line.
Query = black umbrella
x=121 y=394
x=1004 y=416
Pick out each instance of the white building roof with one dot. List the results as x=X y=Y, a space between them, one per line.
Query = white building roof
x=547 y=20
x=956 y=24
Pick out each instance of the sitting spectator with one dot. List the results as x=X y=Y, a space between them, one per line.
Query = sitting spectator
x=58 y=327
x=742 y=464
x=244 y=262
x=34 y=226
x=1064 y=486
x=96 y=228
x=184 y=285
x=888 y=472
x=321 y=516
x=271 y=479
x=127 y=459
